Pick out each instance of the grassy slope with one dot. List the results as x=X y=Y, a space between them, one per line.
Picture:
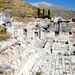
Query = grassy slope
x=3 y=36
x=18 y=8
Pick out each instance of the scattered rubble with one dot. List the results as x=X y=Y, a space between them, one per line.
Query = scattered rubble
x=41 y=47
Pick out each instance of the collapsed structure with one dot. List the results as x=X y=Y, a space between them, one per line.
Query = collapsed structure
x=40 y=47
x=5 y=18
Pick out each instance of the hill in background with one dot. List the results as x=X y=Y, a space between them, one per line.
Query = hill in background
x=56 y=10
x=20 y=8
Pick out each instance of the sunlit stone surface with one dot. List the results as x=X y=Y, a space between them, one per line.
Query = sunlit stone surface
x=36 y=47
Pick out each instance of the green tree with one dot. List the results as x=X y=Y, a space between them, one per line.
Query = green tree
x=39 y=13
x=43 y=12
x=49 y=13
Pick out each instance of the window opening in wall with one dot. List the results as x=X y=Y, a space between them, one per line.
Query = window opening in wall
x=56 y=33
x=25 y=31
x=36 y=34
x=70 y=33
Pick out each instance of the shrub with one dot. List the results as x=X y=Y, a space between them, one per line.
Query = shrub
x=47 y=17
x=5 y=29
x=4 y=37
x=1 y=72
x=1 y=31
x=38 y=73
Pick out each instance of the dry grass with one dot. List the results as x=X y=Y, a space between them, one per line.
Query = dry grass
x=4 y=37
x=3 y=34
x=18 y=8
x=21 y=9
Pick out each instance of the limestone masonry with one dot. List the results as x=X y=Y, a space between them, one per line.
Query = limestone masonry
x=38 y=47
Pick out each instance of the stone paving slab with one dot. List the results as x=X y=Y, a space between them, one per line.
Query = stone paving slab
x=55 y=65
